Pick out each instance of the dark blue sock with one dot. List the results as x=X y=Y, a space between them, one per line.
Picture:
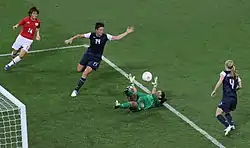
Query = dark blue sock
x=80 y=83
x=222 y=120
x=229 y=118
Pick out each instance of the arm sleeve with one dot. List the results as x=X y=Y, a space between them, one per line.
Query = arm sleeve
x=223 y=74
x=39 y=24
x=22 y=22
x=109 y=37
x=87 y=35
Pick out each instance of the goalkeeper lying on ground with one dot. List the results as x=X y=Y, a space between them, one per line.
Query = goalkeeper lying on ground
x=138 y=101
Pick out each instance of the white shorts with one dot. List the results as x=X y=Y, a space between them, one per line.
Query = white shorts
x=22 y=43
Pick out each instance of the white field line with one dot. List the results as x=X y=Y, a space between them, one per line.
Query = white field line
x=49 y=49
x=177 y=113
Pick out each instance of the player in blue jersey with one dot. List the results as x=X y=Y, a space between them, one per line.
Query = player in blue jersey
x=231 y=83
x=93 y=55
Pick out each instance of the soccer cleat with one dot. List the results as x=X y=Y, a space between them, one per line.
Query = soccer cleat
x=7 y=67
x=227 y=130
x=117 y=104
x=232 y=127
x=74 y=93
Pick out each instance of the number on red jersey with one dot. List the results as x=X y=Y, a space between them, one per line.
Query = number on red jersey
x=30 y=30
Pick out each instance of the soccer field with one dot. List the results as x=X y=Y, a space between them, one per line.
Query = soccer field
x=185 y=43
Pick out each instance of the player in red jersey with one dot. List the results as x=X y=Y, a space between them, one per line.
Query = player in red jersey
x=30 y=26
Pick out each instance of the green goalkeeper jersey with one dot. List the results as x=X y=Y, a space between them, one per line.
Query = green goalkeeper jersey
x=147 y=101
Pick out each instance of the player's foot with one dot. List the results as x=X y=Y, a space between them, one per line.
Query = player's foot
x=7 y=67
x=74 y=93
x=227 y=130
x=117 y=104
x=232 y=127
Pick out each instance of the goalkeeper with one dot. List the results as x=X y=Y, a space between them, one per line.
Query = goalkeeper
x=138 y=101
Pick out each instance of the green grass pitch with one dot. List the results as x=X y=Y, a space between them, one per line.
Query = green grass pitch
x=184 y=42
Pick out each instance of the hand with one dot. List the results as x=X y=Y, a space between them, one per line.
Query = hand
x=131 y=78
x=155 y=83
x=14 y=27
x=130 y=29
x=213 y=94
x=69 y=41
x=38 y=37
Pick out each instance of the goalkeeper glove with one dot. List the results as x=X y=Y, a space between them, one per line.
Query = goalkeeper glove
x=131 y=79
x=155 y=83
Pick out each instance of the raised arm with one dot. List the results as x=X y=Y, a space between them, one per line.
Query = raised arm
x=132 y=81
x=70 y=40
x=120 y=36
x=155 y=83
x=222 y=76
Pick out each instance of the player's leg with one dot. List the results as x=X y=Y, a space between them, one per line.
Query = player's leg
x=82 y=80
x=15 y=52
x=220 y=117
x=223 y=107
x=80 y=68
x=228 y=115
x=20 y=44
x=17 y=59
x=83 y=63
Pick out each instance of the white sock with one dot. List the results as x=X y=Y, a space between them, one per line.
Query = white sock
x=14 y=61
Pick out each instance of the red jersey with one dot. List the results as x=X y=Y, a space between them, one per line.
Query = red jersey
x=29 y=27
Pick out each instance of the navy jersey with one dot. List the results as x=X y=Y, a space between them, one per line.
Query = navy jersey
x=230 y=85
x=97 y=43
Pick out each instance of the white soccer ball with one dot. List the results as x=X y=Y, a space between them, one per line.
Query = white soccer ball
x=147 y=76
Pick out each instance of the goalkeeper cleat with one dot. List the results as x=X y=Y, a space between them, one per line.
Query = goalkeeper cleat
x=117 y=104
x=74 y=93
x=7 y=67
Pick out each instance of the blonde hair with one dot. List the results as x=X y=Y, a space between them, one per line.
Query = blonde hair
x=229 y=64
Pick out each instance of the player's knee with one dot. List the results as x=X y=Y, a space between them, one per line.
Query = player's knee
x=22 y=53
x=78 y=69
x=85 y=74
x=218 y=112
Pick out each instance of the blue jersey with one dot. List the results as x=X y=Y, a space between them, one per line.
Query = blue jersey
x=230 y=85
x=97 y=43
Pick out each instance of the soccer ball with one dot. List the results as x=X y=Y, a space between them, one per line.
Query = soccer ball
x=147 y=76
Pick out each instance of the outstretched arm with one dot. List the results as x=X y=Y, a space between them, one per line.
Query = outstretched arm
x=120 y=36
x=70 y=40
x=20 y=23
x=222 y=75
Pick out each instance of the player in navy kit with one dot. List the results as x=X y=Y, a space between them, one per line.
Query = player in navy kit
x=231 y=83
x=93 y=55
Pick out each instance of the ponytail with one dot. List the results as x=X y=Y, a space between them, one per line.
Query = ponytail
x=234 y=73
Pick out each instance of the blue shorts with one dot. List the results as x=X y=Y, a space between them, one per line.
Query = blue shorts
x=228 y=104
x=90 y=60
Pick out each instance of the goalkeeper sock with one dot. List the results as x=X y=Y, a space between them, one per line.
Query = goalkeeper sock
x=125 y=105
x=80 y=83
x=14 y=61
